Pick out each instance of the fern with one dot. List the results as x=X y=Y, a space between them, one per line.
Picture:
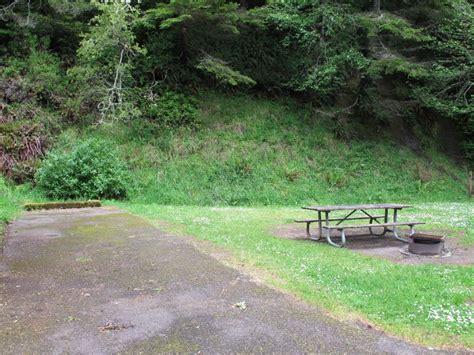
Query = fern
x=223 y=73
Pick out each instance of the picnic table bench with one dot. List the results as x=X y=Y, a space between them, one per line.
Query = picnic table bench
x=365 y=213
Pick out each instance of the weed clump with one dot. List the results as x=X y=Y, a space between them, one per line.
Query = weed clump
x=170 y=109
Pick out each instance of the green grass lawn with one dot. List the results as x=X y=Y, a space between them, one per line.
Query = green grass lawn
x=405 y=300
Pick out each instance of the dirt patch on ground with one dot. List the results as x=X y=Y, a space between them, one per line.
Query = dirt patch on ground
x=100 y=281
x=386 y=247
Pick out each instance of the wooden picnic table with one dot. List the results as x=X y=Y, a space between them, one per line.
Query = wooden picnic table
x=358 y=212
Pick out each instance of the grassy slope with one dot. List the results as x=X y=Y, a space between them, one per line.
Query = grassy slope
x=405 y=300
x=11 y=201
x=251 y=151
x=8 y=210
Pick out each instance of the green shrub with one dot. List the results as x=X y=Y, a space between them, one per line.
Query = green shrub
x=171 y=109
x=90 y=170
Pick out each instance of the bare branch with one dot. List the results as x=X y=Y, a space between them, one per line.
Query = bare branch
x=8 y=9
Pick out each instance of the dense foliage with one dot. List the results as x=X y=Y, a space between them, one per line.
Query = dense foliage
x=91 y=170
x=105 y=61
x=248 y=151
x=407 y=66
x=169 y=109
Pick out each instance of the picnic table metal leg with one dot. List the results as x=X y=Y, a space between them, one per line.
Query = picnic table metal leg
x=308 y=232
x=343 y=239
x=385 y=229
x=346 y=217
x=377 y=234
x=386 y=221
x=371 y=221
x=320 y=223
x=328 y=234
x=394 y=231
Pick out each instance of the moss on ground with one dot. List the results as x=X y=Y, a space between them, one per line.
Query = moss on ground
x=61 y=205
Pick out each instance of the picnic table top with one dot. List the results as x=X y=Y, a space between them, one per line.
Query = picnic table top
x=356 y=207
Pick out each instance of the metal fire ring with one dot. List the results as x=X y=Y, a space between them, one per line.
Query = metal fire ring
x=426 y=244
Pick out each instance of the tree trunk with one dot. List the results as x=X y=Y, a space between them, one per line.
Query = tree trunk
x=377 y=7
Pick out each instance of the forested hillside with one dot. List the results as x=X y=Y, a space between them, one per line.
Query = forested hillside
x=371 y=100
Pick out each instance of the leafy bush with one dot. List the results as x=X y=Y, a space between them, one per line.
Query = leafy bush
x=91 y=170
x=170 y=109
